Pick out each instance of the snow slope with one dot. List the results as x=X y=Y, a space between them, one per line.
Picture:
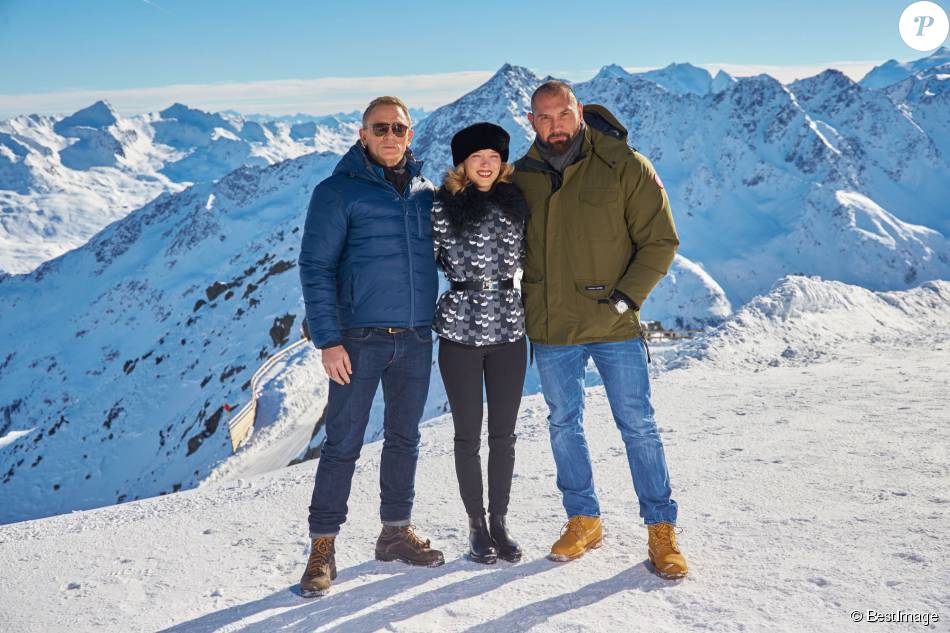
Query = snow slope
x=925 y=98
x=688 y=298
x=122 y=354
x=806 y=492
x=894 y=155
x=805 y=319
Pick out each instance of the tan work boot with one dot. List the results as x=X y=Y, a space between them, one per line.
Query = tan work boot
x=668 y=561
x=321 y=568
x=578 y=535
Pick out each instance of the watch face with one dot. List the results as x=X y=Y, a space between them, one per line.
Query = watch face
x=621 y=306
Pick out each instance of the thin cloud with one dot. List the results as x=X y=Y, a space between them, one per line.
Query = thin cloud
x=152 y=4
x=340 y=94
x=285 y=96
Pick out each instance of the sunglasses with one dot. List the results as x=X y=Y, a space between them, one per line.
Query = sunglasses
x=381 y=129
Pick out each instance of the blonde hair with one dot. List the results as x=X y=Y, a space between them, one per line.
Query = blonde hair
x=387 y=100
x=457 y=180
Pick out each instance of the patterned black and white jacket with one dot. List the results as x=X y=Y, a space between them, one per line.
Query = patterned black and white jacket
x=479 y=236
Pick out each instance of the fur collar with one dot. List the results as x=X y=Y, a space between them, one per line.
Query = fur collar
x=469 y=207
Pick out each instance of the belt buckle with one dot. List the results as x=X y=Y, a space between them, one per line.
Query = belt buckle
x=395 y=330
x=487 y=284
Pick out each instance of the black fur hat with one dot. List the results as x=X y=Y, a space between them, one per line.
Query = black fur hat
x=479 y=136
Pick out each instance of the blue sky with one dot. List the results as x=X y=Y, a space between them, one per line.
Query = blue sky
x=143 y=54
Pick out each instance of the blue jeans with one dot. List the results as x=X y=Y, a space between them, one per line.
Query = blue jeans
x=623 y=368
x=403 y=361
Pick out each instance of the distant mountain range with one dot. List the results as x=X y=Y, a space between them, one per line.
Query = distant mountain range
x=64 y=179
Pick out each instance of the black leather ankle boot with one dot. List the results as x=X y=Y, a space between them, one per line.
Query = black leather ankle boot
x=480 y=541
x=507 y=547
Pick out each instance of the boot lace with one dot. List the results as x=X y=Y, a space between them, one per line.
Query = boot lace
x=664 y=535
x=413 y=538
x=322 y=551
x=573 y=526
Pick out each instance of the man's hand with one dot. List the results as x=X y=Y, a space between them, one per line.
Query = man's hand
x=336 y=362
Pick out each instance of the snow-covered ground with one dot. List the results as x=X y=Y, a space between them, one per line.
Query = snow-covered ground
x=809 y=487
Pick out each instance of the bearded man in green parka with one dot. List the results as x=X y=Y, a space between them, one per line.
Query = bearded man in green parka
x=599 y=239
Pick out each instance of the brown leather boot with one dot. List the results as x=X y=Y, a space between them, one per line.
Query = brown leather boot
x=403 y=544
x=321 y=568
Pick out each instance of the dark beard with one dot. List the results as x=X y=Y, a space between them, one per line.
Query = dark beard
x=557 y=148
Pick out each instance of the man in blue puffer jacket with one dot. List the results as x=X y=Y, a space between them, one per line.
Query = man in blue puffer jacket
x=370 y=287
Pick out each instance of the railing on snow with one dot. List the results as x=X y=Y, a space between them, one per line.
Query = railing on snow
x=242 y=423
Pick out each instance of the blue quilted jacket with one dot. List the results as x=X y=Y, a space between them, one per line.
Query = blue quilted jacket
x=366 y=254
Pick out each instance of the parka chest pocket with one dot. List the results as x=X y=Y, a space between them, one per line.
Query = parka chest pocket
x=601 y=216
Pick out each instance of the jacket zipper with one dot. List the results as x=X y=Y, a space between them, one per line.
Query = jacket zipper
x=412 y=291
x=404 y=199
x=547 y=279
x=415 y=205
x=541 y=167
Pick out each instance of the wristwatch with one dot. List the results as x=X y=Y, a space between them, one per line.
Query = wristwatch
x=620 y=302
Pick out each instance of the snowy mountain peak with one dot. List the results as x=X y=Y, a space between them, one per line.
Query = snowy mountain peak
x=611 y=70
x=830 y=80
x=755 y=90
x=99 y=115
x=204 y=121
x=835 y=77
x=510 y=74
x=938 y=57
x=721 y=81
x=680 y=78
x=504 y=99
x=893 y=71
x=685 y=67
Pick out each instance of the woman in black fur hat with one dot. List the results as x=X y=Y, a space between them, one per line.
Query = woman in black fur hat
x=478 y=224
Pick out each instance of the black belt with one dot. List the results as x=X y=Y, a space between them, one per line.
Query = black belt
x=484 y=284
x=389 y=330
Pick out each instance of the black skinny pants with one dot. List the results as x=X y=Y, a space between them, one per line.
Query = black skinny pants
x=464 y=369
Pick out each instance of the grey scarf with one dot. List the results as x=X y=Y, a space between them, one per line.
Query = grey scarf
x=561 y=161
